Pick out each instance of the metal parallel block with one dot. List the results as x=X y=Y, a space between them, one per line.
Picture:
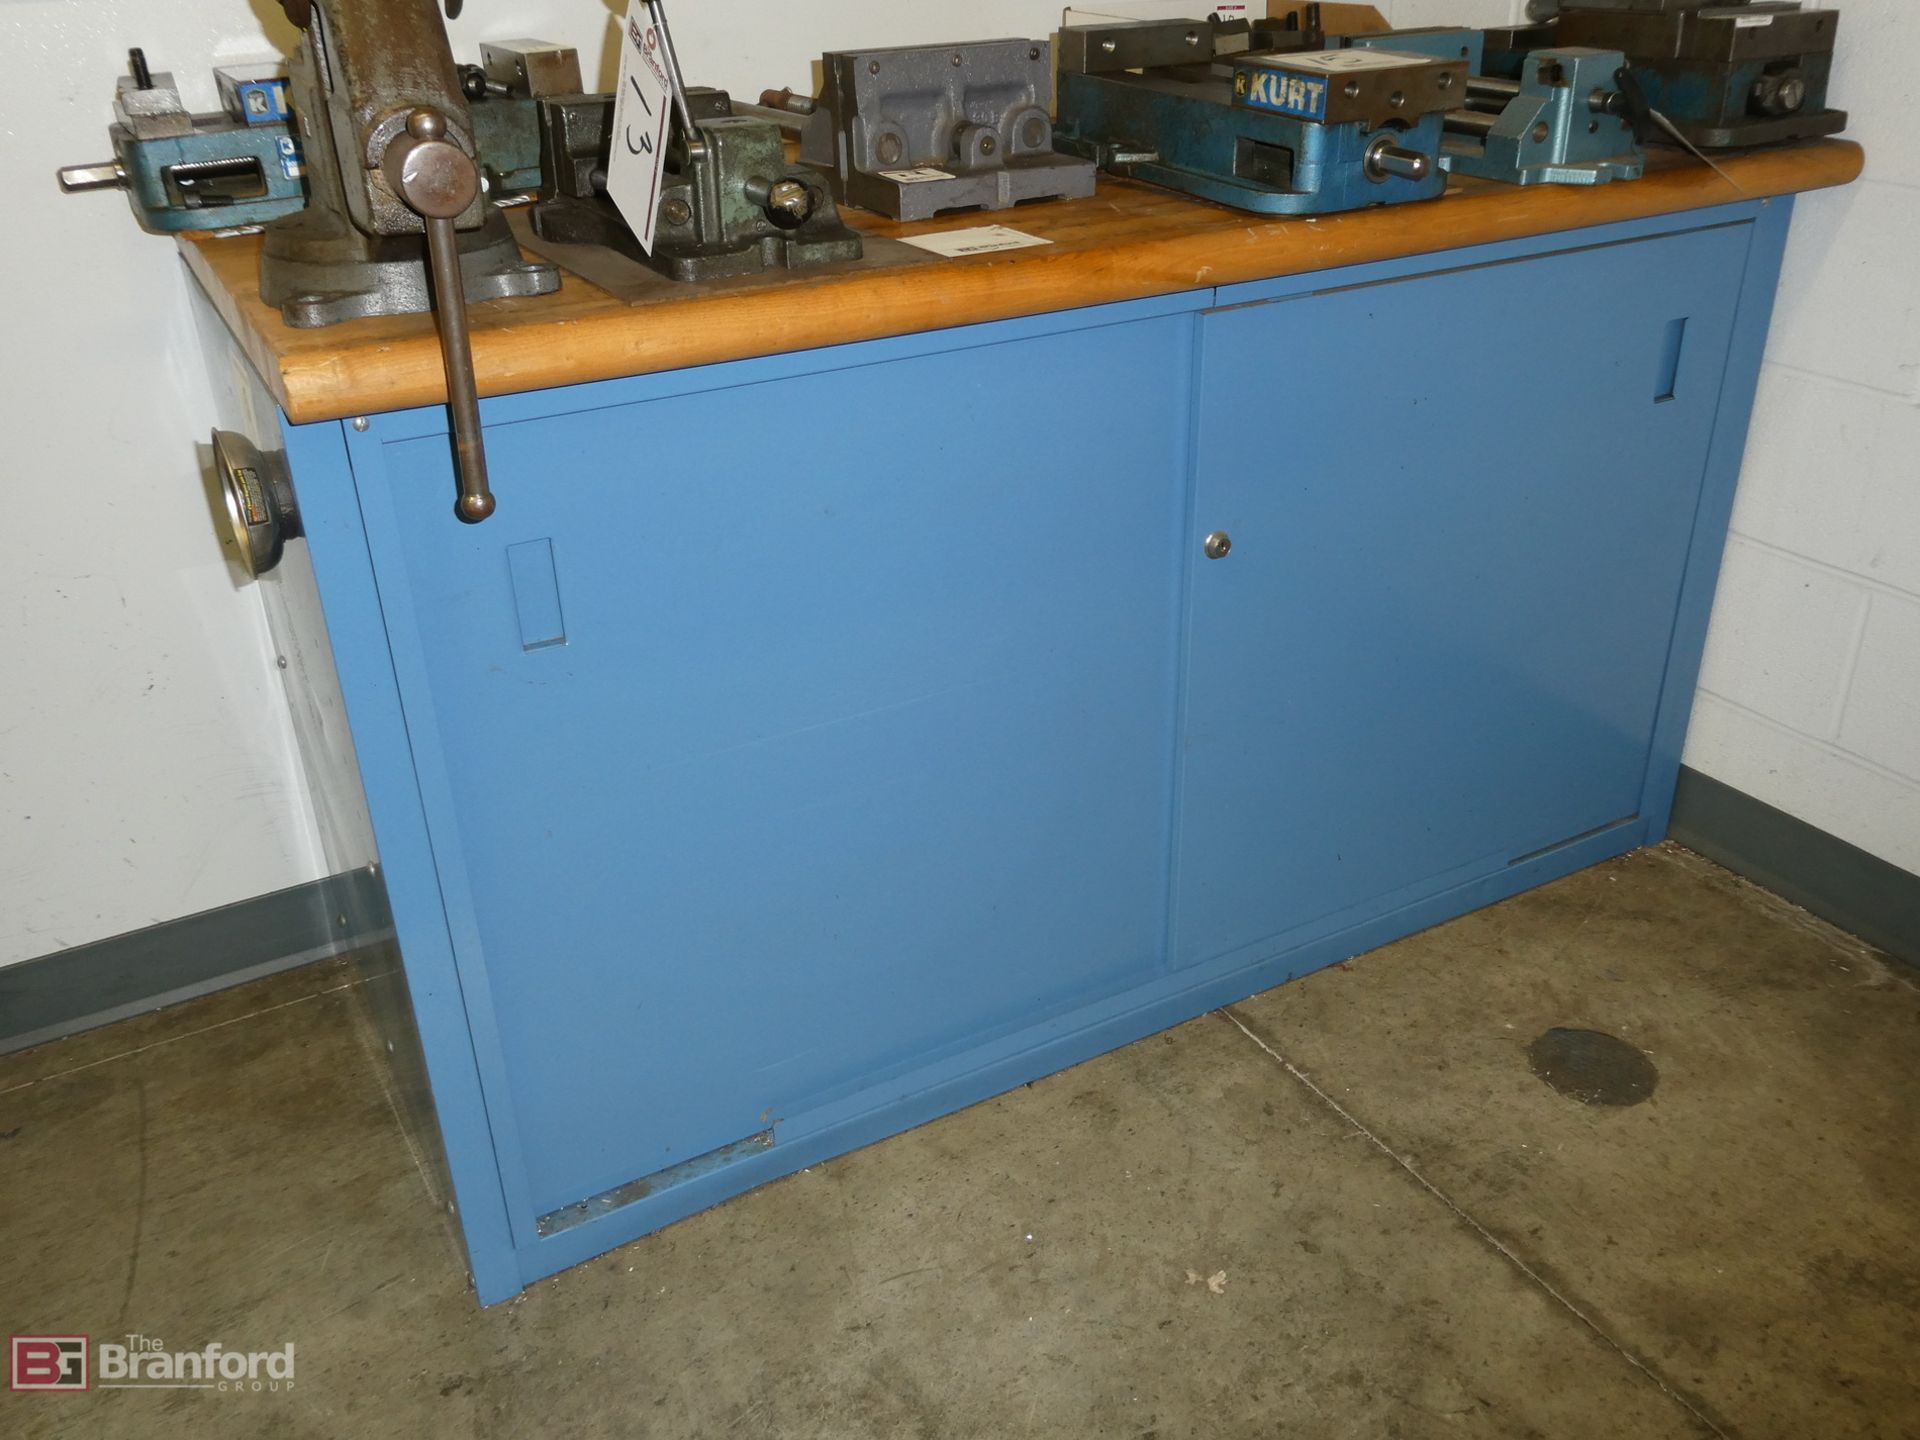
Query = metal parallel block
x=736 y=208
x=149 y=105
x=917 y=132
x=532 y=69
x=1136 y=45
x=1184 y=47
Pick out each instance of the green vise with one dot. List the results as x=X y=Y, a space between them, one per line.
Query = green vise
x=737 y=206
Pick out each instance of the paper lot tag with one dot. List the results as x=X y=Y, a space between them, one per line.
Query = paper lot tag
x=642 y=109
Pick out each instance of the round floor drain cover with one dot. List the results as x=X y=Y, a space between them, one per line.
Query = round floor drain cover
x=1593 y=1068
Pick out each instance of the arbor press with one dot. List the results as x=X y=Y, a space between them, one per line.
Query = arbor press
x=916 y=132
x=1723 y=73
x=1307 y=133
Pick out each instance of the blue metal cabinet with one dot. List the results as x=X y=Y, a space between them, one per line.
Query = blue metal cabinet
x=1439 y=641
x=814 y=745
x=799 y=731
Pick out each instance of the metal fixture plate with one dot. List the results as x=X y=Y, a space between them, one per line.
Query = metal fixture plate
x=921 y=131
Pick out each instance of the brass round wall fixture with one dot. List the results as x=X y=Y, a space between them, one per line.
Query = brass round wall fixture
x=259 y=499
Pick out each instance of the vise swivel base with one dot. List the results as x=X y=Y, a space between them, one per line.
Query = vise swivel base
x=1312 y=133
x=918 y=132
x=735 y=208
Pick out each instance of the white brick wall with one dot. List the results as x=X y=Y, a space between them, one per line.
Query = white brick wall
x=1810 y=698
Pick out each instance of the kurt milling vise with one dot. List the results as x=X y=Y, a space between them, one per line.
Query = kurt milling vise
x=1721 y=73
x=1283 y=133
x=918 y=132
x=398 y=220
x=1568 y=118
x=240 y=166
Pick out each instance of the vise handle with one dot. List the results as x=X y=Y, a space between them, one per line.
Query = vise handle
x=438 y=181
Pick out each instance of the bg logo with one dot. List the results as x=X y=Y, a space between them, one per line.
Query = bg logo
x=49 y=1362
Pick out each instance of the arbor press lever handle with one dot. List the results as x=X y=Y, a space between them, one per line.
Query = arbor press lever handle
x=438 y=181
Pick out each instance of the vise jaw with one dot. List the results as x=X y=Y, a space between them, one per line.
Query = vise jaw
x=916 y=132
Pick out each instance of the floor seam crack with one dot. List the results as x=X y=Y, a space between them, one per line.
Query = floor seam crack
x=1494 y=1242
x=176 y=1039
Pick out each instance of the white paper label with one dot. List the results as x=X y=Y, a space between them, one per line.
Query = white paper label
x=1751 y=22
x=980 y=240
x=637 y=158
x=915 y=177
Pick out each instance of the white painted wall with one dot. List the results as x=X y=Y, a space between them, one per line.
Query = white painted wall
x=1810 y=698
x=147 y=768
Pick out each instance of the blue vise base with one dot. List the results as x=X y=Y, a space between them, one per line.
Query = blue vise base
x=1240 y=143
x=220 y=175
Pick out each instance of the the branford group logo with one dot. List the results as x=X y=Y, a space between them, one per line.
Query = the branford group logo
x=61 y=1362
x=48 y=1362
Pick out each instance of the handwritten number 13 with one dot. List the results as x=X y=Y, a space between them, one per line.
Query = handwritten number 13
x=645 y=147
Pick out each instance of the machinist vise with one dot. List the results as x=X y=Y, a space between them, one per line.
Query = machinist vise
x=1308 y=132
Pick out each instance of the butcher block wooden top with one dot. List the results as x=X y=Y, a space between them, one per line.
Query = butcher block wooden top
x=1128 y=242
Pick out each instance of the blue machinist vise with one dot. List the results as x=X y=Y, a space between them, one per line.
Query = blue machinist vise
x=239 y=166
x=1284 y=133
x=1561 y=119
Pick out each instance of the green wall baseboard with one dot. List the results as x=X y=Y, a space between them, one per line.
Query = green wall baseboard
x=86 y=986
x=1841 y=883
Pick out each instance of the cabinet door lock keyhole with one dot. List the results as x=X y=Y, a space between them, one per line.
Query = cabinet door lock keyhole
x=1219 y=545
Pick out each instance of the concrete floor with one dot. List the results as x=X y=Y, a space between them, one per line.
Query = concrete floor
x=1345 y=1208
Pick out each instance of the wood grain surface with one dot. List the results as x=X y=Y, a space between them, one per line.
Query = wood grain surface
x=1127 y=242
